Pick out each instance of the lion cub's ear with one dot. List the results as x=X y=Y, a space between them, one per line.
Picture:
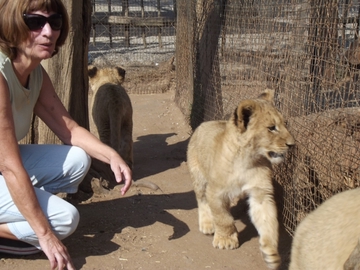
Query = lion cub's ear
x=92 y=70
x=268 y=95
x=243 y=113
x=121 y=72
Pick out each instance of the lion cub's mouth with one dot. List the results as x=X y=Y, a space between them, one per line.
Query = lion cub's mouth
x=277 y=157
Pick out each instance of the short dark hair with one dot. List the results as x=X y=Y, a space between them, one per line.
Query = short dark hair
x=13 y=30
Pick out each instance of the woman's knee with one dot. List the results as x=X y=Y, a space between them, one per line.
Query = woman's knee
x=66 y=222
x=77 y=165
x=74 y=218
x=81 y=159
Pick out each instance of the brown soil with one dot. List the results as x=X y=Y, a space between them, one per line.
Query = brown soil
x=148 y=229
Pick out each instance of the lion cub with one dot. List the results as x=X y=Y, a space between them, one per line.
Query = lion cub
x=232 y=159
x=111 y=110
x=328 y=238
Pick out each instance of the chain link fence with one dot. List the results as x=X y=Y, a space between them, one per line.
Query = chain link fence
x=228 y=50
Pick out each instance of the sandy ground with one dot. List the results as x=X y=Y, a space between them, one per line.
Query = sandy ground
x=148 y=229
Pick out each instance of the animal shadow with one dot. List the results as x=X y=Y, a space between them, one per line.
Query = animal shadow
x=153 y=155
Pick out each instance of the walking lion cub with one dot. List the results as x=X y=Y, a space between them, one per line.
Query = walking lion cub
x=232 y=159
x=111 y=111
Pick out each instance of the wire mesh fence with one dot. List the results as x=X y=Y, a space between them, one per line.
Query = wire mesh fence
x=228 y=50
x=308 y=52
x=136 y=34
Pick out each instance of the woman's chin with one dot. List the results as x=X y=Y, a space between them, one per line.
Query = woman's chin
x=45 y=55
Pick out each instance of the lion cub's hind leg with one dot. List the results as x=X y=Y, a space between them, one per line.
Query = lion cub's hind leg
x=121 y=138
x=126 y=148
x=226 y=235
x=221 y=223
x=206 y=224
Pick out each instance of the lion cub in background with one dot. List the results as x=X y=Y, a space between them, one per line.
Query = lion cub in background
x=232 y=159
x=111 y=110
x=328 y=237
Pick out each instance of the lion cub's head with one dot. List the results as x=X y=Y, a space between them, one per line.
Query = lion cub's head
x=263 y=128
x=100 y=76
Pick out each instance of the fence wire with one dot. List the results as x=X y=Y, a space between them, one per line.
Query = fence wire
x=134 y=34
x=228 y=50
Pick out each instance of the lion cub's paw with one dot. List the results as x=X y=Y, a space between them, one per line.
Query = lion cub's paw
x=207 y=227
x=270 y=253
x=226 y=242
x=206 y=224
x=272 y=260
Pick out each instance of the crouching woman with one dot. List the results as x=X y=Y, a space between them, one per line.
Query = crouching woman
x=31 y=217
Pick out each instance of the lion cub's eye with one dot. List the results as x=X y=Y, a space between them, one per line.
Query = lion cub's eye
x=272 y=128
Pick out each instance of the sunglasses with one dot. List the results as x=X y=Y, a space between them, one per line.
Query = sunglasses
x=36 y=22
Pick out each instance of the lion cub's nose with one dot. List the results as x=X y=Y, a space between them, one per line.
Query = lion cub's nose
x=290 y=142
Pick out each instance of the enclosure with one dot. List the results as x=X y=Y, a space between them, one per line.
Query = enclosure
x=227 y=50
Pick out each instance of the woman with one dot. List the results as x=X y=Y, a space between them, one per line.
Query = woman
x=30 y=215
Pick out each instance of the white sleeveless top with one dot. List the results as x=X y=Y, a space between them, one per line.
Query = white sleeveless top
x=22 y=100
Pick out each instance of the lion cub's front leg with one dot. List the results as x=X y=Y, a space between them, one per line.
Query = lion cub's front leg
x=264 y=216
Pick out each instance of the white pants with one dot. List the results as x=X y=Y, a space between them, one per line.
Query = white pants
x=52 y=169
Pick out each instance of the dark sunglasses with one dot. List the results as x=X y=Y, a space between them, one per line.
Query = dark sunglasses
x=36 y=22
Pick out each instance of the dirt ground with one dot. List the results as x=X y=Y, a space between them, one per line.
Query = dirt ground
x=148 y=229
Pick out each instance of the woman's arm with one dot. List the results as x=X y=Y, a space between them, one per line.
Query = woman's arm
x=12 y=169
x=51 y=110
x=21 y=188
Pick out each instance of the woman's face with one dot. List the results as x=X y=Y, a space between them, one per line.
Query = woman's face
x=42 y=40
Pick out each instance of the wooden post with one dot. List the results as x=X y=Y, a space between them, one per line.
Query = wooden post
x=143 y=29
x=185 y=55
x=109 y=26
x=159 y=28
x=125 y=12
x=207 y=99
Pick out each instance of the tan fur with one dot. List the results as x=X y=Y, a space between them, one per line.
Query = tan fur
x=327 y=237
x=353 y=262
x=111 y=110
x=232 y=159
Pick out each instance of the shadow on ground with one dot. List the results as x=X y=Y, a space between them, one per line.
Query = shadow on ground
x=97 y=230
x=158 y=155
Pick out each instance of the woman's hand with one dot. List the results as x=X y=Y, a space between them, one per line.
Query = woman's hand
x=56 y=252
x=121 y=171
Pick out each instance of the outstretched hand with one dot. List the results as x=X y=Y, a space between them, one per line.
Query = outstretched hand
x=122 y=172
x=56 y=252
